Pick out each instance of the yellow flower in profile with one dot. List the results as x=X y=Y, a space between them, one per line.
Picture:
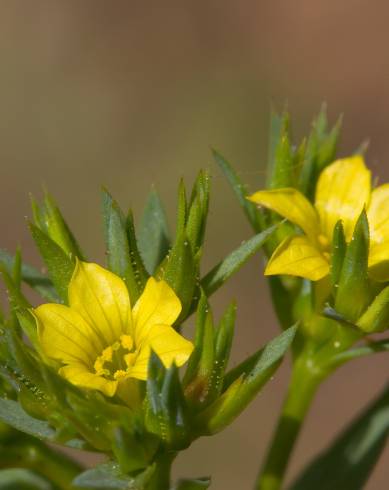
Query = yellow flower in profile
x=102 y=341
x=343 y=190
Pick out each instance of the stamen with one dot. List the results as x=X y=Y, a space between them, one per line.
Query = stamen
x=116 y=359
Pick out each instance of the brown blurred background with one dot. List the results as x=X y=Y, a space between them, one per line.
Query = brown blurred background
x=129 y=94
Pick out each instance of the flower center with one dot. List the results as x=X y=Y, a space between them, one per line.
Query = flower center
x=116 y=360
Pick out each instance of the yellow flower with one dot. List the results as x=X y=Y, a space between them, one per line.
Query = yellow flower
x=102 y=341
x=343 y=190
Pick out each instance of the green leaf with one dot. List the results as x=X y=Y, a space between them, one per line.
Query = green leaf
x=166 y=409
x=23 y=479
x=197 y=484
x=242 y=391
x=339 y=247
x=32 y=277
x=138 y=267
x=234 y=261
x=118 y=250
x=12 y=414
x=353 y=290
x=364 y=350
x=320 y=151
x=240 y=190
x=282 y=172
x=109 y=475
x=59 y=265
x=180 y=270
x=347 y=463
x=51 y=222
x=376 y=317
x=198 y=211
x=154 y=241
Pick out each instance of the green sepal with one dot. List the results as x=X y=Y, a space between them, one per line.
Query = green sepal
x=223 y=341
x=31 y=276
x=167 y=414
x=133 y=450
x=49 y=219
x=193 y=362
x=376 y=317
x=348 y=462
x=217 y=276
x=138 y=266
x=109 y=475
x=320 y=151
x=182 y=209
x=241 y=391
x=154 y=236
x=352 y=295
x=250 y=209
x=200 y=390
x=282 y=171
x=117 y=245
x=339 y=247
x=60 y=265
x=180 y=271
x=198 y=211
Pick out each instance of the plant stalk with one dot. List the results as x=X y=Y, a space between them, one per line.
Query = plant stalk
x=161 y=478
x=302 y=388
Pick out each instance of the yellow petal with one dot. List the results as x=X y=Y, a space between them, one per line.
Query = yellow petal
x=65 y=335
x=378 y=214
x=158 y=304
x=379 y=261
x=169 y=345
x=297 y=256
x=101 y=298
x=79 y=375
x=292 y=205
x=343 y=189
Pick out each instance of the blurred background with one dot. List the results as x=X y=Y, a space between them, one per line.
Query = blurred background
x=129 y=94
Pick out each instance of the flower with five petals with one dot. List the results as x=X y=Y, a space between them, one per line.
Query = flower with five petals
x=100 y=340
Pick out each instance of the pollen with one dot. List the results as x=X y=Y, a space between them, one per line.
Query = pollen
x=116 y=360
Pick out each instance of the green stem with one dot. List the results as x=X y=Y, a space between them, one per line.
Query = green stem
x=302 y=388
x=162 y=475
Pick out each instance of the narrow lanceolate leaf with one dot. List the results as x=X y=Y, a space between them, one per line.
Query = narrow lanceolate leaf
x=12 y=414
x=118 y=250
x=57 y=228
x=154 y=241
x=281 y=169
x=348 y=462
x=240 y=190
x=339 y=247
x=137 y=263
x=233 y=262
x=198 y=211
x=376 y=317
x=59 y=265
x=180 y=270
x=23 y=479
x=364 y=350
x=240 y=393
x=109 y=475
x=31 y=276
x=353 y=291
x=197 y=484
